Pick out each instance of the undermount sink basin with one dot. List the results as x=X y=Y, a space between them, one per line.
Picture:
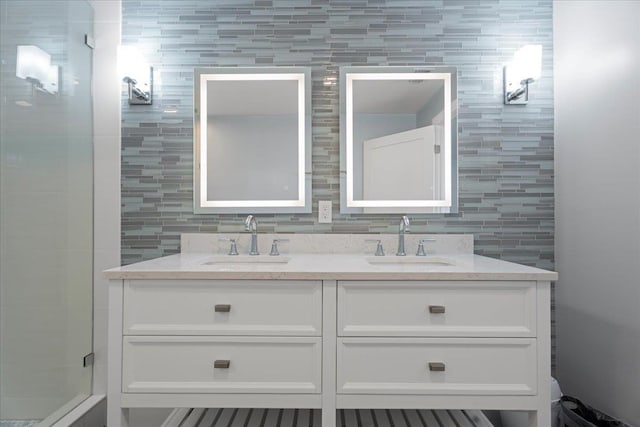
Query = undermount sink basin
x=409 y=260
x=247 y=259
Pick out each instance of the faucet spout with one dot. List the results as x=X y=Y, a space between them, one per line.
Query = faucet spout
x=404 y=228
x=250 y=224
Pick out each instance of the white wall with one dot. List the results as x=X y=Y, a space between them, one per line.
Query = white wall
x=597 y=139
x=107 y=92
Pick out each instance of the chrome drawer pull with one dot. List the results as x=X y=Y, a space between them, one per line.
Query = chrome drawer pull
x=223 y=308
x=436 y=366
x=436 y=309
x=221 y=364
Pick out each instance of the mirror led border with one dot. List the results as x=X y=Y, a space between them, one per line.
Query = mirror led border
x=447 y=139
x=446 y=75
x=302 y=204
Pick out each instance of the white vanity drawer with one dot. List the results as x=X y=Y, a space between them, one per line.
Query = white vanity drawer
x=438 y=309
x=188 y=364
x=222 y=307
x=451 y=366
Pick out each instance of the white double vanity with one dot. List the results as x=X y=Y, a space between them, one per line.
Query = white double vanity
x=327 y=324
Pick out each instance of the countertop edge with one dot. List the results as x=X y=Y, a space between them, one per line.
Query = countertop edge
x=262 y=275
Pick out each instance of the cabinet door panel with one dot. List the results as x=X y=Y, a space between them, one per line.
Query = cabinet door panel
x=438 y=309
x=449 y=366
x=221 y=364
x=222 y=307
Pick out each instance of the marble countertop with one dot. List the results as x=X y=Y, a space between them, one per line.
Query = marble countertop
x=330 y=267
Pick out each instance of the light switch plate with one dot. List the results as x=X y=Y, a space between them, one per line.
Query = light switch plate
x=324 y=211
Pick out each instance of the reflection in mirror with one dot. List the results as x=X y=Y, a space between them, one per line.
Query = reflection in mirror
x=252 y=140
x=398 y=140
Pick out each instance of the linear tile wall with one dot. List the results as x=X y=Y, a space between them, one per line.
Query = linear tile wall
x=505 y=152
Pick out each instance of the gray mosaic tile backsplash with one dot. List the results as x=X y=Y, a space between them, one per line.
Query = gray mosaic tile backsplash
x=505 y=152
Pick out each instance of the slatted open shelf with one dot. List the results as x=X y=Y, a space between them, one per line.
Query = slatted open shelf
x=256 y=417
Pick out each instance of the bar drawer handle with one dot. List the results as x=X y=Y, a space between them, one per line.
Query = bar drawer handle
x=436 y=366
x=221 y=364
x=436 y=309
x=223 y=308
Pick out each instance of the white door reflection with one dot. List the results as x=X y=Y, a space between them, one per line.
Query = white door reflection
x=399 y=145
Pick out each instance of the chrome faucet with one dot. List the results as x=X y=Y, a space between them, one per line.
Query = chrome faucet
x=404 y=228
x=251 y=225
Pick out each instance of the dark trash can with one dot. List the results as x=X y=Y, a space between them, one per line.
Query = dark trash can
x=574 y=413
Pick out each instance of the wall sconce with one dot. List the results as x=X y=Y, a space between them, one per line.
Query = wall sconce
x=34 y=65
x=524 y=69
x=137 y=74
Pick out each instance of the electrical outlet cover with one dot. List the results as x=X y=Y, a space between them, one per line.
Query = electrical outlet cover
x=324 y=211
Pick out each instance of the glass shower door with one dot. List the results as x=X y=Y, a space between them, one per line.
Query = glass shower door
x=46 y=207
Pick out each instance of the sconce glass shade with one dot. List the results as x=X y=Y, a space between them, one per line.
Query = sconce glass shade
x=34 y=64
x=525 y=68
x=137 y=74
x=527 y=62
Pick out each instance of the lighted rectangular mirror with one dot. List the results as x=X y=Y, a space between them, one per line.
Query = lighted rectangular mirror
x=252 y=140
x=398 y=140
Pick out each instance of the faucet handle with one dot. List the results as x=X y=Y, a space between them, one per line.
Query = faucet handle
x=421 y=246
x=404 y=223
x=250 y=223
x=233 y=250
x=379 y=249
x=274 y=246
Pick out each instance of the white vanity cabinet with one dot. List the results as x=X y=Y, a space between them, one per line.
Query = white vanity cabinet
x=207 y=343
x=329 y=333
x=444 y=344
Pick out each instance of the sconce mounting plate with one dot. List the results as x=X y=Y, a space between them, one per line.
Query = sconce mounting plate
x=515 y=92
x=140 y=91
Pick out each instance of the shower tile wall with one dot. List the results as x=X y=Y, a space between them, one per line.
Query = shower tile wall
x=505 y=152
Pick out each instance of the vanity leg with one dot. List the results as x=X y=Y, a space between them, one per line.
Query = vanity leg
x=329 y=301
x=328 y=417
x=117 y=416
x=542 y=416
